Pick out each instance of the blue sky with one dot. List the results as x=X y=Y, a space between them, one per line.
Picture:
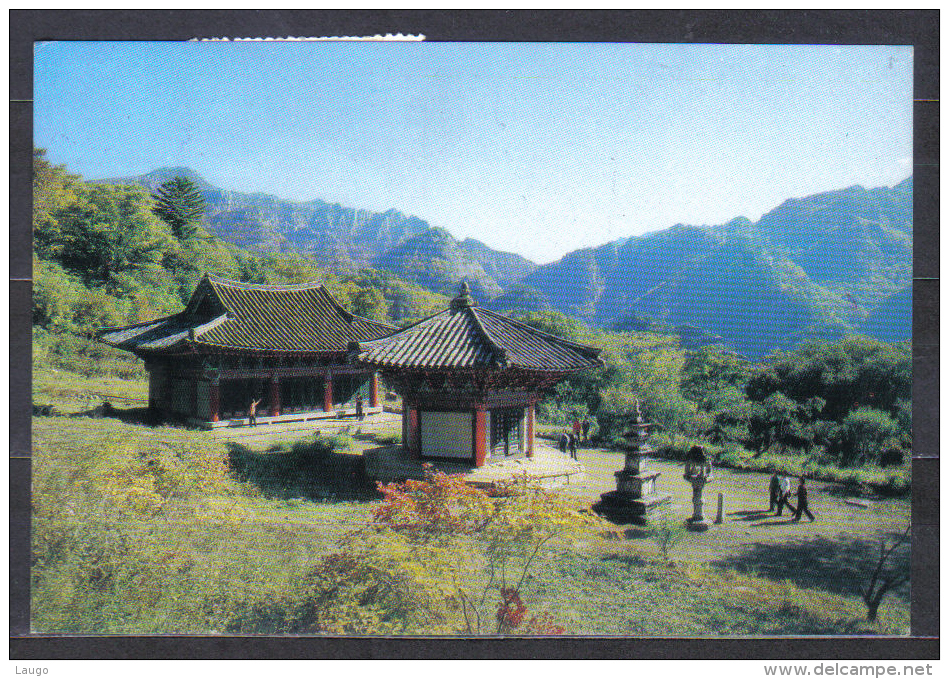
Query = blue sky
x=535 y=148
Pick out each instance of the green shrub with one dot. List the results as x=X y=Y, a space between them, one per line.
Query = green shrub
x=667 y=535
x=83 y=356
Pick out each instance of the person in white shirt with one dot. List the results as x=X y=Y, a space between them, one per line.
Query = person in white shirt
x=784 y=490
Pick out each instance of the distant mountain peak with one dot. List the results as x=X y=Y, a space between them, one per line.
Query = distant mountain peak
x=185 y=172
x=811 y=267
x=156 y=178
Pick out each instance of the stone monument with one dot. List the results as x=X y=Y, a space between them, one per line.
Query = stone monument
x=635 y=497
x=698 y=472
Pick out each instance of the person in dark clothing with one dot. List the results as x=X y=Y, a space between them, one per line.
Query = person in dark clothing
x=774 y=492
x=359 y=412
x=802 y=506
x=586 y=430
x=564 y=442
x=573 y=446
x=252 y=413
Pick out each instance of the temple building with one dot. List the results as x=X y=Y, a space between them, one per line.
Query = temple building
x=469 y=380
x=282 y=345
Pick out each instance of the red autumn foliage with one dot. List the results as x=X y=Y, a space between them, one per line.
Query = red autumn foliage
x=441 y=504
x=512 y=609
x=544 y=624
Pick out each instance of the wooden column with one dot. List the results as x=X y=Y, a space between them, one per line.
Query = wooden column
x=328 y=391
x=194 y=398
x=275 y=396
x=414 y=439
x=530 y=430
x=214 y=397
x=405 y=426
x=374 y=391
x=480 y=429
x=152 y=387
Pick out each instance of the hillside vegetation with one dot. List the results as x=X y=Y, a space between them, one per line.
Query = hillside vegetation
x=814 y=268
x=102 y=257
x=818 y=267
x=833 y=410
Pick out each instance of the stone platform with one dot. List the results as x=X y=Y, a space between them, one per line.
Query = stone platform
x=621 y=507
x=549 y=467
x=299 y=417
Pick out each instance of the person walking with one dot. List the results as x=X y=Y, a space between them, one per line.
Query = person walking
x=802 y=505
x=784 y=492
x=252 y=413
x=573 y=446
x=586 y=429
x=564 y=442
x=576 y=428
x=359 y=411
x=774 y=491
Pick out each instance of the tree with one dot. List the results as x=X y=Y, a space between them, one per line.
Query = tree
x=53 y=189
x=368 y=303
x=442 y=555
x=107 y=232
x=709 y=371
x=862 y=436
x=181 y=206
x=882 y=579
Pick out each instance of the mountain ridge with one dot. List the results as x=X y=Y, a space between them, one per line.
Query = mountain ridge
x=347 y=238
x=813 y=267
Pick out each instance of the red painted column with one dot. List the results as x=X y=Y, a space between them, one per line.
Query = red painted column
x=530 y=430
x=214 y=396
x=416 y=437
x=274 y=396
x=328 y=392
x=374 y=391
x=405 y=427
x=480 y=428
x=412 y=438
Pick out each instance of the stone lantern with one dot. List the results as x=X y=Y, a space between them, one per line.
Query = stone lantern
x=635 y=496
x=698 y=472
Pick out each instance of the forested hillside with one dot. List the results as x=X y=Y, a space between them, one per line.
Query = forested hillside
x=344 y=239
x=813 y=268
x=102 y=256
x=108 y=254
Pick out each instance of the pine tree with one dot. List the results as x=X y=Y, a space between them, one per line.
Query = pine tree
x=180 y=205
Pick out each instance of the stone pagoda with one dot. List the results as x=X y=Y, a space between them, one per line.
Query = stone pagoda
x=635 y=497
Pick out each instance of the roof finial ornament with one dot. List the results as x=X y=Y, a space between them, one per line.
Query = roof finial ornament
x=464 y=299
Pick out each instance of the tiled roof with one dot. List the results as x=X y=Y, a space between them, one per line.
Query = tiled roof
x=466 y=336
x=232 y=315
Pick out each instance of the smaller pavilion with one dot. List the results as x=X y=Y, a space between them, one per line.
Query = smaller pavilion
x=283 y=346
x=469 y=380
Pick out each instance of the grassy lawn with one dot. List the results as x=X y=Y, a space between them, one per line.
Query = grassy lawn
x=624 y=590
x=71 y=393
x=142 y=529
